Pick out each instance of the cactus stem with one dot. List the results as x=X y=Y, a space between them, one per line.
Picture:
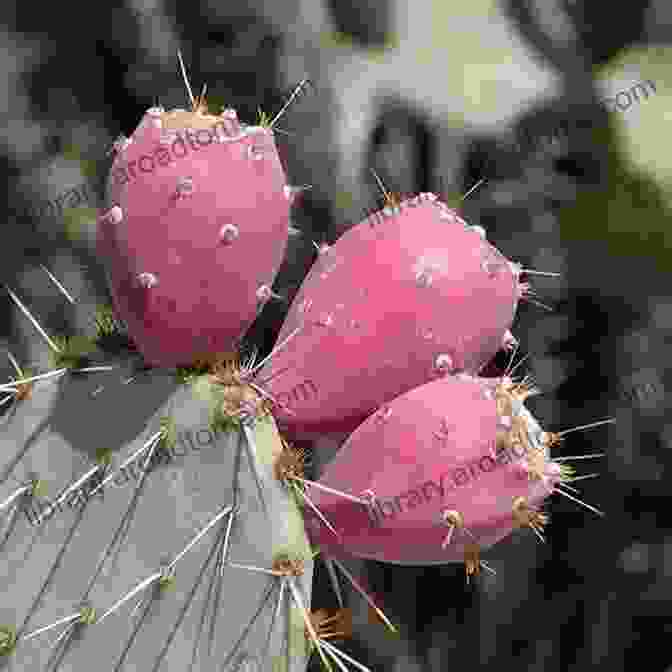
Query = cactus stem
x=264 y=600
x=71 y=488
x=150 y=445
x=62 y=289
x=578 y=501
x=199 y=536
x=52 y=571
x=215 y=587
x=35 y=323
x=185 y=608
x=247 y=437
x=122 y=529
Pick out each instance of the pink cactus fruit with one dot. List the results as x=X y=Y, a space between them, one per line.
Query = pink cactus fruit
x=409 y=294
x=437 y=475
x=196 y=231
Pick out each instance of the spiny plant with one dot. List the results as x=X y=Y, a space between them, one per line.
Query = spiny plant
x=442 y=472
x=410 y=295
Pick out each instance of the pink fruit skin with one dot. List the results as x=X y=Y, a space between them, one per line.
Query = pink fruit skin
x=403 y=447
x=208 y=272
x=378 y=308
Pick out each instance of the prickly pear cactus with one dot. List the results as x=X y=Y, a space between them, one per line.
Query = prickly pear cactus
x=147 y=459
x=174 y=517
x=171 y=535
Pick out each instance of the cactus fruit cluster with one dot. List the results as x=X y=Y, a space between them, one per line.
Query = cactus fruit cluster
x=387 y=340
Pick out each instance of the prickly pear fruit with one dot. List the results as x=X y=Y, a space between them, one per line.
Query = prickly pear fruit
x=441 y=472
x=394 y=302
x=195 y=233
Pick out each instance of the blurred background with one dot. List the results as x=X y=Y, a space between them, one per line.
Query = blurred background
x=556 y=109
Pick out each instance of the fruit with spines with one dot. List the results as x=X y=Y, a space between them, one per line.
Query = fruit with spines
x=197 y=222
x=449 y=468
x=410 y=294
